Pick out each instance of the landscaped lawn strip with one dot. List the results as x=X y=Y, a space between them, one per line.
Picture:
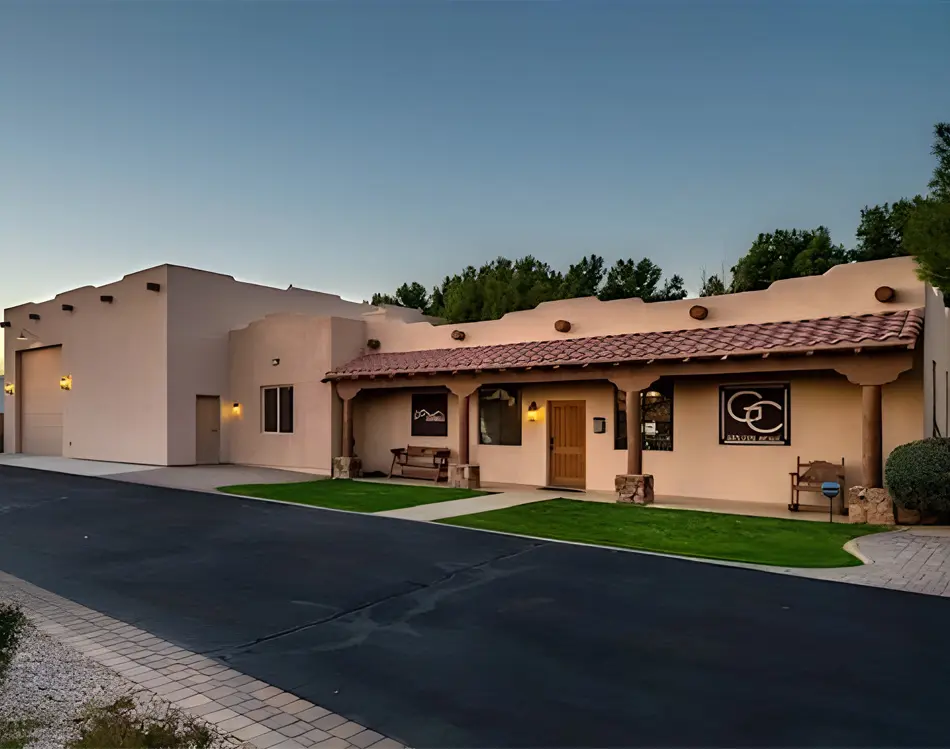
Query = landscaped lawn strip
x=737 y=538
x=360 y=496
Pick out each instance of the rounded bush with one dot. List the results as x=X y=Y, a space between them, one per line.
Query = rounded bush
x=917 y=475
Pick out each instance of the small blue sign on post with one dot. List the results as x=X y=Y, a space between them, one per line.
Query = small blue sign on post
x=831 y=490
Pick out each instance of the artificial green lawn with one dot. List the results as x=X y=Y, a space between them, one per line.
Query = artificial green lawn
x=360 y=496
x=738 y=538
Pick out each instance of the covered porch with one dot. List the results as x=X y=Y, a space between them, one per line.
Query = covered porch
x=577 y=409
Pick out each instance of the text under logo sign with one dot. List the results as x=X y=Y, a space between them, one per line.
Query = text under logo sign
x=754 y=415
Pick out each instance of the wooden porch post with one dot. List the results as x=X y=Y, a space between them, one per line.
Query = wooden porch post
x=634 y=443
x=347 y=447
x=871 y=451
x=464 y=401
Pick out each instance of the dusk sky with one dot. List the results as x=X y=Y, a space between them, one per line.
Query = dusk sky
x=348 y=147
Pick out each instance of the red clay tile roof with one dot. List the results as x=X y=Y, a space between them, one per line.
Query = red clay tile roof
x=890 y=329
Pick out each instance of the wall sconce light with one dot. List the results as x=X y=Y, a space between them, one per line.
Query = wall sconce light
x=236 y=409
x=274 y=362
x=533 y=411
x=22 y=336
x=9 y=388
x=66 y=382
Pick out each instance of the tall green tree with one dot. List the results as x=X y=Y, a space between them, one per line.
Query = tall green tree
x=412 y=295
x=629 y=278
x=712 y=285
x=505 y=285
x=881 y=231
x=783 y=254
x=584 y=277
x=928 y=240
x=940 y=183
x=927 y=235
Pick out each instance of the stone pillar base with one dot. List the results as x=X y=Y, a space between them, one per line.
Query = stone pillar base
x=634 y=488
x=347 y=468
x=465 y=476
x=871 y=506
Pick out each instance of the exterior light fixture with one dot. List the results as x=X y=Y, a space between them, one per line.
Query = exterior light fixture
x=533 y=411
x=654 y=394
x=274 y=362
x=236 y=409
x=22 y=336
x=9 y=388
x=66 y=382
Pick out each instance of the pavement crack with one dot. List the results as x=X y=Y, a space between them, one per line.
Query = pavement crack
x=416 y=588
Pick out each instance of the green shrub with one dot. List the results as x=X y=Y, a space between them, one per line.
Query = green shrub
x=12 y=622
x=122 y=725
x=16 y=734
x=917 y=475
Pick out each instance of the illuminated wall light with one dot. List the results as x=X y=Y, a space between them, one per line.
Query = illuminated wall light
x=9 y=388
x=66 y=382
x=236 y=409
x=533 y=411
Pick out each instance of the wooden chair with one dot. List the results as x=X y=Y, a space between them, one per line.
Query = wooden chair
x=809 y=477
x=421 y=462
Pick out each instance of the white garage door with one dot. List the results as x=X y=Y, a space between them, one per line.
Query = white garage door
x=41 y=401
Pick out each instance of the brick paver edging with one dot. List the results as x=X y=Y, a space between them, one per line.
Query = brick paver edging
x=253 y=713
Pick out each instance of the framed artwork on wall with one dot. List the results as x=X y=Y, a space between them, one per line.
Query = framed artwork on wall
x=430 y=415
x=755 y=414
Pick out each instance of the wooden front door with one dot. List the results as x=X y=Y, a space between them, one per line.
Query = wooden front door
x=567 y=441
x=208 y=430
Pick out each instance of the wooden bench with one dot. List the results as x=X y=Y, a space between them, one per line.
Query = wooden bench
x=421 y=462
x=810 y=476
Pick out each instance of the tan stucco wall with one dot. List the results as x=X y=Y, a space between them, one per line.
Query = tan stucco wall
x=203 y=309
x=825 y=424
x=139 y=363
x=116 y=356
x=307 y=347
x=843 y=290
x=936 y=351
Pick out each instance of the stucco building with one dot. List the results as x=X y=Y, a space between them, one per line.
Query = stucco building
x=715 y=398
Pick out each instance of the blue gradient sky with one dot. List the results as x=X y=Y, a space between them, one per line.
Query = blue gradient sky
x=348 y=147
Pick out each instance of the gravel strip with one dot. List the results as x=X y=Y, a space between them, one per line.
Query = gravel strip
x=52 y=683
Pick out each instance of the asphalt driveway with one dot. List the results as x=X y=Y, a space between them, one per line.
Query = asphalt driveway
x=446 y=637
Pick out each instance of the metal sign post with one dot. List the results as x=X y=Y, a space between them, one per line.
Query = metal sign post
x=831 y=490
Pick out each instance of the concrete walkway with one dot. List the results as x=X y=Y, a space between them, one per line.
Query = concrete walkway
x=194 y=478
x=209 y=478
x=457 y=507
x=915 y=560
x=70 y=465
